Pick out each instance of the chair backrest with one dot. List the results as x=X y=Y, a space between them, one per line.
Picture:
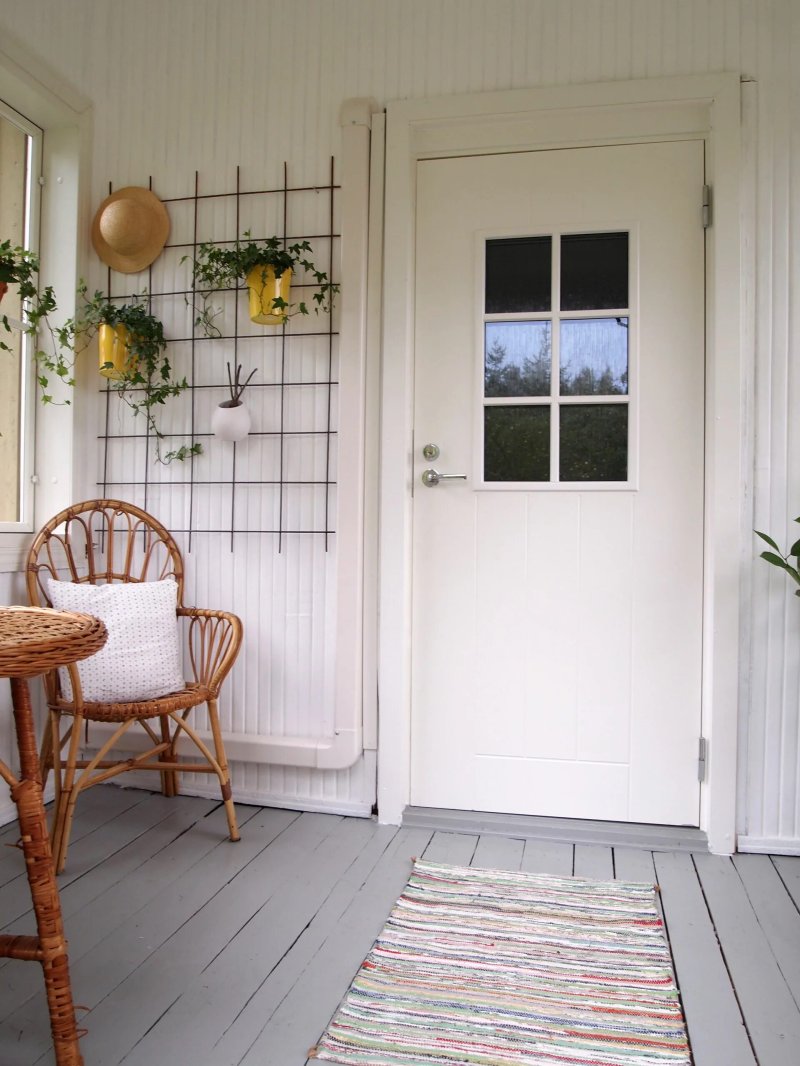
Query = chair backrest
x=98 y=542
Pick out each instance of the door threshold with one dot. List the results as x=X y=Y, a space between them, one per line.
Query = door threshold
x=559 y=830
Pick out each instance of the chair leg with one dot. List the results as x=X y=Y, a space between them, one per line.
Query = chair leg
x=225 y=777
x=46 y=750
x=169 y=778
x=67 y=794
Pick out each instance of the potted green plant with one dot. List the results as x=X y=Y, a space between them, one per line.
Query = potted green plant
x=20 y=267
x=231 y=419
x=777 y=557
x=266 y=267
x=132 y=356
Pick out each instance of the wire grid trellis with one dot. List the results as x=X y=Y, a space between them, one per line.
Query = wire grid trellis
x=300 y=435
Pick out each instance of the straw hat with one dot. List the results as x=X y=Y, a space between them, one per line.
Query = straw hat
x=130 y=229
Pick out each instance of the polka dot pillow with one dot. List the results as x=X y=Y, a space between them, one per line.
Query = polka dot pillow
x=141 y=658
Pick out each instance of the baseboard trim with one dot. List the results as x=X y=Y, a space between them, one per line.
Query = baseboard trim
x=145 y=781
x=559 y=830
x=770 y=845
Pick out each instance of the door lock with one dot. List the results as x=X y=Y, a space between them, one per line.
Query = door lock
x=430 y=452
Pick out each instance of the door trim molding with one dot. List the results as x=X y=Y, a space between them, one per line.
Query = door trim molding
x=539 y=119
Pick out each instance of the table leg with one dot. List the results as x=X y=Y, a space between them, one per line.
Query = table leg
x=44 y=890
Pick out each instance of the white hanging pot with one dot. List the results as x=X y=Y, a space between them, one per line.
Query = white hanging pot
x=231 y=421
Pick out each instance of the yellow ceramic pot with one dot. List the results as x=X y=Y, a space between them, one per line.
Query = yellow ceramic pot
x=265 y=288
x=113 y=343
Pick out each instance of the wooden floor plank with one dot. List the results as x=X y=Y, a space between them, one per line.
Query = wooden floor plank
x=172 y=962
x=545 y=857
x=97 y=977
x=770 y=1013
x=456 y=849
x=93 y=849
x=303 y=1014
x=634 y=864
x=498 y=853
x=777 y=915
x=788 y=867
x=236 y=955
x=246 y=1020
x=96 y=905
x=715 y=1024
x=99 y=806
x=592 y=860
x=247 y=960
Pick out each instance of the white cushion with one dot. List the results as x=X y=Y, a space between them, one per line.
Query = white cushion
x=141 y=658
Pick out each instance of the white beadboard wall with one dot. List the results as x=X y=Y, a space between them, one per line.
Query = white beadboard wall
x=205 y=84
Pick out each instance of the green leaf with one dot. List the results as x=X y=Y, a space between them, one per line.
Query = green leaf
x=776 y=560
x=768 y=539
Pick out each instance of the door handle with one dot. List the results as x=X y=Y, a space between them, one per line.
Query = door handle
x=432 y=477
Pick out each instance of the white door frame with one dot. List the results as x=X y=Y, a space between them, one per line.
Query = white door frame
x=604 y=113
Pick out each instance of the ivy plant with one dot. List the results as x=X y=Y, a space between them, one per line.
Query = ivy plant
x=216 y=268
x=147 y=380
x=19 y=266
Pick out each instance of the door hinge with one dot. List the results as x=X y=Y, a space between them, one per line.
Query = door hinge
x=706 y=206
x=702 y=758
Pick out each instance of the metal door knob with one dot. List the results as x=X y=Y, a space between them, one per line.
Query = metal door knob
x=433 y=477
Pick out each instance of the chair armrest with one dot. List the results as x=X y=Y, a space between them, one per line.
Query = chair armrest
x=214 y=641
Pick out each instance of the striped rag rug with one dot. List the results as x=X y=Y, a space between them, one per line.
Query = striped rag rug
x=496 y=968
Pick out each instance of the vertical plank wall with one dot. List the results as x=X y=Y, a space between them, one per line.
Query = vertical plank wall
x=205 y=85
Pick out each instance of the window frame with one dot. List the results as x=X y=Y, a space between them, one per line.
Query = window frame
x=31 y=234
x=59 y=454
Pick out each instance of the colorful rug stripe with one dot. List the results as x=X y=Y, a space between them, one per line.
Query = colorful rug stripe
x=496 y=968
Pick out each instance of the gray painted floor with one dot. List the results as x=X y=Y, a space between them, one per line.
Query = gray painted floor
x=188 y=950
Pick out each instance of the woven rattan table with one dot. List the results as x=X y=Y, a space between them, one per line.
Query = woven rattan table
x=32 y=640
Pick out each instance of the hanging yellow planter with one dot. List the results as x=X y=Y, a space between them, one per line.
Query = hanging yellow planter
x=113 y=343
x=265 y=288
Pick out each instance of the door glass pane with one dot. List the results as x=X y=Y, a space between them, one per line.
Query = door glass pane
x=594 y=357
x=593 y=442
x=594 y=271
x=516 y=444
x=517 y=359
x=518 y=275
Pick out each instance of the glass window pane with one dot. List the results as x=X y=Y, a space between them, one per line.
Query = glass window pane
x=518 y=275
x=516 y=444
x=594 y=357
x=517 y=359
x=593 y=442
x=13 y=199
x=594 y=271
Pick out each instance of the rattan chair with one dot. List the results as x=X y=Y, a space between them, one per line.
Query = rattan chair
x=103 y=541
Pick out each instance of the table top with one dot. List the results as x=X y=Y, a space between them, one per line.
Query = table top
x=36 y=639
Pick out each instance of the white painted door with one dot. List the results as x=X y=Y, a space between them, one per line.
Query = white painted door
x=557 y=598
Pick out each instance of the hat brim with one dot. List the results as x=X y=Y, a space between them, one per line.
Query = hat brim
x=157 y=238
